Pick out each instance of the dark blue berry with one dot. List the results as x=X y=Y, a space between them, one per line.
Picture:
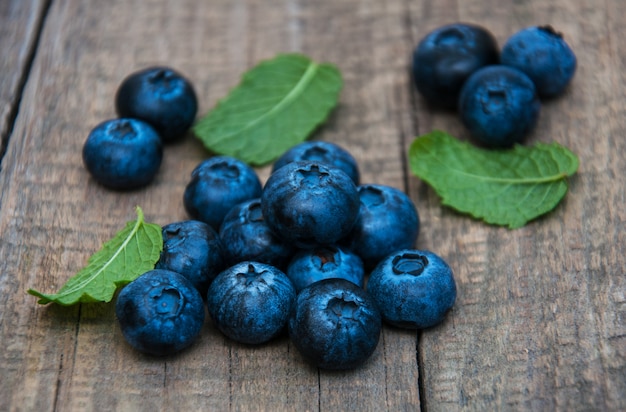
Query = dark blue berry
x=161 y=97
x=123 y=153
x=311 y=265
x=544 y=56
x=335 y=324
x=160 y=312
x=323 y=152
x=447 y=56
x=194 y=250
x=250 y=302
x=246 y=236
x=499 y=105
x=310 y=203
x=413 y=289
x=388 y=221
x=217 y=185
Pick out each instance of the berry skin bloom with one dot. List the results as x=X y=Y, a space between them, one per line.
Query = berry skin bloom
x=161 y=97
x=388 y=221
x=312 y=265
x=324 y=152
x=335 y=324
x=246 y=236
x=217 y=185
x=545 y=57
x=193 y=249
x=310 y=204
x=499 y=105
x=447 y=56
x=250 y=302
x=123 y=154
x=160 y=312
x=413 y=289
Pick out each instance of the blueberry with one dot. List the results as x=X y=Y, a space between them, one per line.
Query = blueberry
x=123 y=153
x=250 y=302
x=160 y=312
x=310 y=204
x=161 y=97
x=246 y=236
x=388 y=221
x=311 y=265
x=194 y=250
x=413 y=289
x=544 y=56
x=217 y=184
x=324 y=152
x=447 y=56
x=499 y=105
x=335 y=324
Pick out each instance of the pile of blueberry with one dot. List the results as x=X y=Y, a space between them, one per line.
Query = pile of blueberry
x=290 y=255
x=497 y=93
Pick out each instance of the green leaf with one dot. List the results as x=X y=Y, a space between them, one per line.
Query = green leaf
x=133 y=251
x=502 y=187
x=277 y=105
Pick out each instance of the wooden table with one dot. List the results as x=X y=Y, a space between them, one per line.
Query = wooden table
x=540 y=319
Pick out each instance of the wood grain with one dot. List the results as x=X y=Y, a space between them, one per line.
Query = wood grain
x=539 y=324
x=539 y=320
x=20 y=22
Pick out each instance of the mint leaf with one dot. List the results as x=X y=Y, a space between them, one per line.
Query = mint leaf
x=502 y=187
x=133 y=251
x=277 y=105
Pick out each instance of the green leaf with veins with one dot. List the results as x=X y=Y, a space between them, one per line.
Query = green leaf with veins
x=277 y=105
x=131 y=252
x=502 y=187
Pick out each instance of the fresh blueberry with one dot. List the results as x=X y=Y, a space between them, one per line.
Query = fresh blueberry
x=335 y=324
x=123 y=153
x=388 y=221
x=160 y=312
x=161 y=97
x=217 y=185
x=246 y=236
x=447 y=56
x=324 y=152
x=194 y=250
x=544 y=56
x=310 y=204
x=413 y=289
x=250 y=302
x=499 y=105
x=311 y=265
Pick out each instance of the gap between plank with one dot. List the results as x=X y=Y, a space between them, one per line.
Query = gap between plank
x=14 y=108
x=408 y=26
x=420 y=372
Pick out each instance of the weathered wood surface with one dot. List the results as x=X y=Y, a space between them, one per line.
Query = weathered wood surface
x=540 y=320
x=20 y=22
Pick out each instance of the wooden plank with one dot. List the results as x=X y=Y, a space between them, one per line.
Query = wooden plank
x=538 y=324
x=372 y=122
x=20 y=22
x=56 y=216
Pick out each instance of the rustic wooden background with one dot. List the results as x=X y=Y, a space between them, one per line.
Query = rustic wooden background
x=540 y=320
